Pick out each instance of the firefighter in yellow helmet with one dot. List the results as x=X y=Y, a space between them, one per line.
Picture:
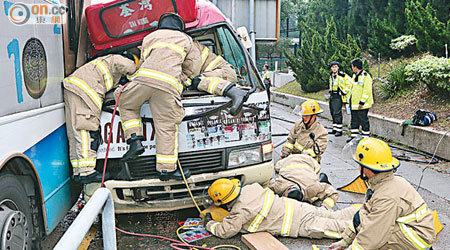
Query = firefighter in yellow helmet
x=84 y=92
x=217 y=77
x=308 y=135
x=394 y=216
x=168 y=57
x=257 y=209
x=361 y=100
x=298 y=178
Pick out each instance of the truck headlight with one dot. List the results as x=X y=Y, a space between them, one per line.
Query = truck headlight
x=244 y=157
x=267 y=151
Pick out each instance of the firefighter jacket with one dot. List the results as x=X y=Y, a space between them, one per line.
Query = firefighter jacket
x=299 y=140
x=361 y=91
x=303 y=170
x=92 y=80
x=258 y=209
x=340 y=84
x=175 y=48
x=394 y=217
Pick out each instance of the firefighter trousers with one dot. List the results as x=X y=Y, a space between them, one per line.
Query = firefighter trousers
x=83 y=134
x=167 y=113
x=336 y=111
x=360 y=119
x=217 y=80
x=322 y=223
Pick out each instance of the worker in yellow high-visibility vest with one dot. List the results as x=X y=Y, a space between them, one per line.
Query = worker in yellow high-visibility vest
x=340 y=84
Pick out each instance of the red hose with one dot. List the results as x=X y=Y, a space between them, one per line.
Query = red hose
x=176 y=243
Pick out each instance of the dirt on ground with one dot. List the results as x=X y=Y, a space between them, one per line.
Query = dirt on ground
x=405 y=106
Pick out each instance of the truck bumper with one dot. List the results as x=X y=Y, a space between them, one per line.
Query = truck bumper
x=153 y=195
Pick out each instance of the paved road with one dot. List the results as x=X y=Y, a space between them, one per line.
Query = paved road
x=435 y=189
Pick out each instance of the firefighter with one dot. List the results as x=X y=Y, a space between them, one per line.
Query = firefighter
x=257 y=209
x=339 y=89
x=361 y=100
x=298 y=178
x=84 y=92
x=217 y=77
x=167 y=58
x=394 y=216
x=308 y=135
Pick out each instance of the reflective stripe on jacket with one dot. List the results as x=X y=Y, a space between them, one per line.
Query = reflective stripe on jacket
x=361 y=91
x=342 y=84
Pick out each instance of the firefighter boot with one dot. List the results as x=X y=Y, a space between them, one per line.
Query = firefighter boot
x=136 y=147
x=174 y=175
x=332 y=132
x=237 y=96
x=324 y=178
x=338 y=133
x=94 y=177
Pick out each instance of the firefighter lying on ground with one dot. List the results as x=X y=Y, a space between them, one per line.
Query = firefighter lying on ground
x=255 y=209
x=217 y=77
x=394 y=216
x=308 y=135
x=298 y=178
x=84 y=92
x=168 y=56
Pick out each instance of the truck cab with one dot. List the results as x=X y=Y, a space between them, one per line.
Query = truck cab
x=212 y=143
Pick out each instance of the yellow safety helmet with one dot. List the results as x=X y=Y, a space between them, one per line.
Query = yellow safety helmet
x=223 y=191
x=310 y=107
x=375 y=155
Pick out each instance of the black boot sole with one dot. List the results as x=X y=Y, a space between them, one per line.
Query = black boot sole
x=134 y=155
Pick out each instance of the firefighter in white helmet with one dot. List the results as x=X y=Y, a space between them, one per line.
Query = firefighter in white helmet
x=307 y=136
x=394 y=215
x=298 y=178
x=217 y=77
x=167 y=59
x=84 y=92
x=257 y=209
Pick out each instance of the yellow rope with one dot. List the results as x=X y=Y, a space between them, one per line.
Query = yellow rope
x=199 y=210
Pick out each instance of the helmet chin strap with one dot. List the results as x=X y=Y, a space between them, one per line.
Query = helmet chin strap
x=365 y=178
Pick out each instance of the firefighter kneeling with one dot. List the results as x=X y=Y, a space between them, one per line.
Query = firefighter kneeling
x=255 y=209
x=394 y=216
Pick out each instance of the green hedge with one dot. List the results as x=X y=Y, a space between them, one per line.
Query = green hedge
x=433 y=71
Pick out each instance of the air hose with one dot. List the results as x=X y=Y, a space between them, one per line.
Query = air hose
x=178 y=245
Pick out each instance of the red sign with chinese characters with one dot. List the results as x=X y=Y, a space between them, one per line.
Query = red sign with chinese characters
x=130 y=17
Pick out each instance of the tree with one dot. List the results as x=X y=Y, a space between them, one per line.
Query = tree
x=431 y=33
x=383 y=32
x=271 y=50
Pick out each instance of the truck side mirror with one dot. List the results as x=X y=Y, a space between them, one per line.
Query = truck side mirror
x=245 y=38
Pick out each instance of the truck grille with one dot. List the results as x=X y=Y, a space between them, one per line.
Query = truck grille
x=197 y=162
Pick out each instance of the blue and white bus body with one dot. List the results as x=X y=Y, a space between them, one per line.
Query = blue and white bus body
x=32 y=120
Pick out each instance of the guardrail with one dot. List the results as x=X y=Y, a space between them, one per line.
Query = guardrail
x=101 y=199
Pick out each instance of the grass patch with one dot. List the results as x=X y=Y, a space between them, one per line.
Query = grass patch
x=294 y=88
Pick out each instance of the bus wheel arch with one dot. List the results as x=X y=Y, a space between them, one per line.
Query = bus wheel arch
x=21 y=168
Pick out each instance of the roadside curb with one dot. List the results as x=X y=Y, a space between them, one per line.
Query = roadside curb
x=421 y=138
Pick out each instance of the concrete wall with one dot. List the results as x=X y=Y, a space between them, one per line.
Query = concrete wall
x=279 y=79
x=421 y=138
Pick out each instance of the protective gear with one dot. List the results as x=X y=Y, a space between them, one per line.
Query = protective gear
x=164 y=175
x=91 y=178
x=237 y=96
x=299 y=140
x=375 y=155
x=294 y=192
x=302 y=170
x=223 y=191
x=310 y=107
x=334 y=63
x=132 y=57
x=208 y=218
x=361 y=95
x=396 y=217
x=340 y=84
x=160 y=83
x=171 y=21
x=324 y=178
x=356 y=221
x=258 y=210
x=136 y=147
x=84 y=92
